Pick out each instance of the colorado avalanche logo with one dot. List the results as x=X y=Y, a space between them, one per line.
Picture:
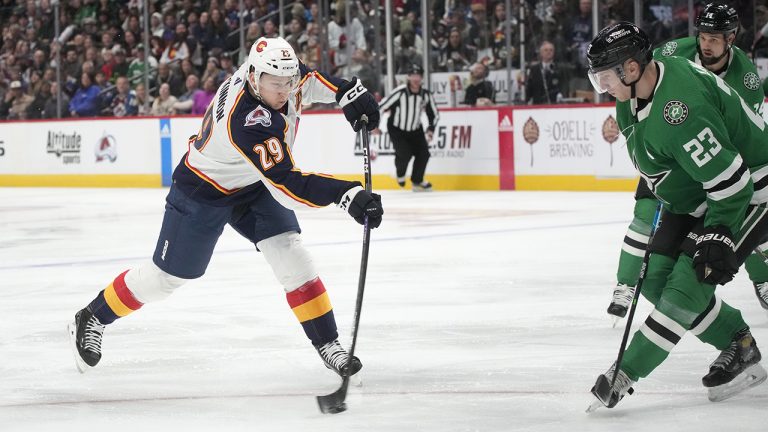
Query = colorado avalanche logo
x=259 y=116
x=260 y=46
x=106 y=148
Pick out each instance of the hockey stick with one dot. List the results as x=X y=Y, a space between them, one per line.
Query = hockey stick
x=334 y=403
x=603 y=386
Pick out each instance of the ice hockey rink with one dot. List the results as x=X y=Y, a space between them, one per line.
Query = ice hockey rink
x=483 y=311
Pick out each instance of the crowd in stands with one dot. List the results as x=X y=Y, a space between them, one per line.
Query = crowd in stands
x=194 y=45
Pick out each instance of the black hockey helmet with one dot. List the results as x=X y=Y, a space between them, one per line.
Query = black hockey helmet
x=717 y=18
x=613 y=46
x=415 y=69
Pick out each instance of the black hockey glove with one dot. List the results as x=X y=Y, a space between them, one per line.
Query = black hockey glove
x=715 y=257
x=356 y=100
x=359 y=203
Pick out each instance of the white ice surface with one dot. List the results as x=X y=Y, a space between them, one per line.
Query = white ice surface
x=484 y=311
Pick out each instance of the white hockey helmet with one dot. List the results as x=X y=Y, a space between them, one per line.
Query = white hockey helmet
x=272 y=56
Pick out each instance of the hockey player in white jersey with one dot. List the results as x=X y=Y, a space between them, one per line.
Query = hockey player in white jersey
x=239 y=170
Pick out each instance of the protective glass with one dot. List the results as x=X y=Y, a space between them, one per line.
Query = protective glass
x=604 y=80
x=272 y=83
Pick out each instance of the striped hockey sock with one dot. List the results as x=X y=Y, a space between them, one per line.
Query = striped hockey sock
x=312 y=307
x=114 y=301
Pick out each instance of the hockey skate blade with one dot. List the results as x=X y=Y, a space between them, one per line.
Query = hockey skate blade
x=356 y=380
x=594 y=406
x=751 y=377
x=616 y=320
x=82 y=367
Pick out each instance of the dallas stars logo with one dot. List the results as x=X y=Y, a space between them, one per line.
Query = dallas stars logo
x=669 y=48
x=675 y=112
x=751 y=81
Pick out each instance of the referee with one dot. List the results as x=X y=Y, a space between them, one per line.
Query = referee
x=405 y=104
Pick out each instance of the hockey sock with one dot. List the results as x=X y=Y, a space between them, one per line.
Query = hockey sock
x=651 y=345
x=636 y=241
x=757 y=268
x=684 y=304
x=114 y=301
x=718 y=323
x=312 y=307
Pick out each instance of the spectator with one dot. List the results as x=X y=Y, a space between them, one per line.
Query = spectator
x=215 y=33
x=344 y=38
x=312 y=53
x=408 y=48
x=120 y=67
x=15 y=102
x=212 y=70
x=480 y=91
x=85 y=102
x=49 y=111
x=457 y=55
x=252 y=33
x=138 y=65
x=298 y=36
x=156 y=24
x=360 y=66
x=36 y=108
x=202 y=98
x=542 y=79
x=177 y=49
x=141 y=98
x=185 y=101
x=227 y=67
x=156 y=47
x=270 y=29
x=163 y=104
x=167 y=75
x=578 y=36
x=187 y=68
x=108 y=62
x=122 y=101
x=71 y=66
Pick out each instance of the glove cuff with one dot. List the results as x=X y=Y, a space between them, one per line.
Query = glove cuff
x=348 y=196
x=717 y=233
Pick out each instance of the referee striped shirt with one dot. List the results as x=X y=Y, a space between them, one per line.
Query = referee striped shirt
x=405 y=108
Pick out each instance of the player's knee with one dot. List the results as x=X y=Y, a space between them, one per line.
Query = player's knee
x=149 y=283
x=290 y=260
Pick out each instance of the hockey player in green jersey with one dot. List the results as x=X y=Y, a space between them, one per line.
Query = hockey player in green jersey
x=703 y=152
x=712 y=48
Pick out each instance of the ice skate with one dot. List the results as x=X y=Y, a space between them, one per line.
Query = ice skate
x=85 y=334
x=761 y=291
x=401 y=182
x=336 y=358
x=424 y=186
x=622 y=298
x=608 y=395
x=736 y=369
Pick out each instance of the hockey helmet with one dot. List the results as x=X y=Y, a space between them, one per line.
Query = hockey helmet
x=613 y=46
x=717 y=18
x=273 y=56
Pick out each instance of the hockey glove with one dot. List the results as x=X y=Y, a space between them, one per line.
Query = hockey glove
x=355 y=100
x=359 y=204
x=715 y=257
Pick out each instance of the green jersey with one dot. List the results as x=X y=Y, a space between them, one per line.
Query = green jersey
x=698 y=145
x=741 y=73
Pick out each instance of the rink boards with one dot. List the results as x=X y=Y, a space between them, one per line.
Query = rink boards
x=499 y=148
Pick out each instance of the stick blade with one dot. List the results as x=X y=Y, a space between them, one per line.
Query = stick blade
x=333 y=403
